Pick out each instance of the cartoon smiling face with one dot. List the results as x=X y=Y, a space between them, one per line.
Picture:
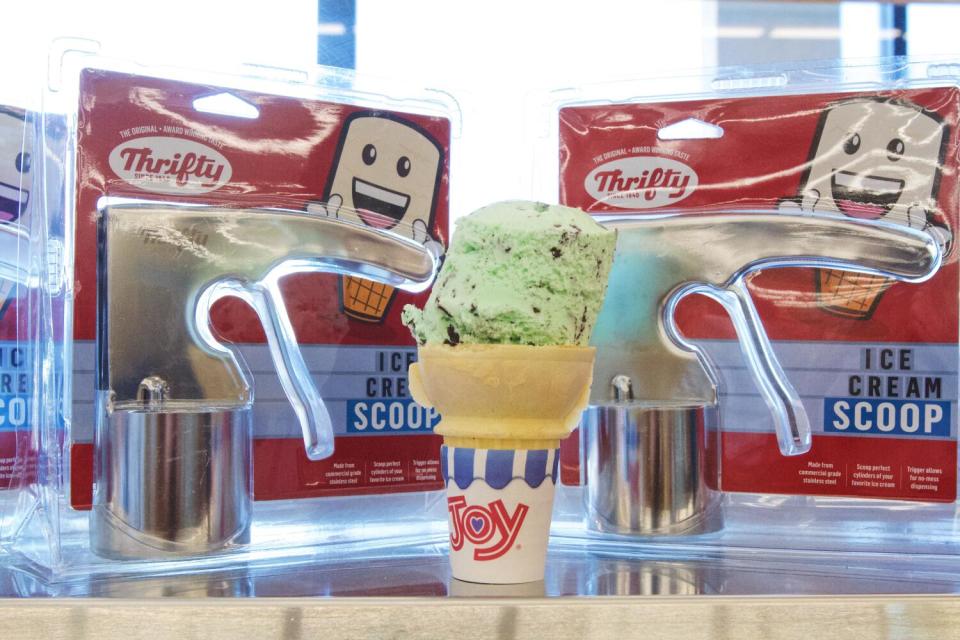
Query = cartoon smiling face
x=387 y=173
x=878 y=159
x=874 y=159
x=15 y=166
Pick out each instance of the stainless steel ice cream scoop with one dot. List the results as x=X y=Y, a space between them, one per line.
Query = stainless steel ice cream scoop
x=173 y=438
x=644 y=461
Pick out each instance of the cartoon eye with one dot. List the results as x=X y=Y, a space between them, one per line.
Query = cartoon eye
x=895 y=150
x=403 y=166
x=369 y=154
x=23 y=162
x=852 y=145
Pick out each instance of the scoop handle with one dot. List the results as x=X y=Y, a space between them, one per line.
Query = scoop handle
x=267 y=301
x=315 y=422
x=161 y=268
x=660 y=259
x=307 y=403
x=790 y=419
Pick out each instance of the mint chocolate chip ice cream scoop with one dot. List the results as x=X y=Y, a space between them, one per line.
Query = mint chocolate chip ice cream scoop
x=518 y=273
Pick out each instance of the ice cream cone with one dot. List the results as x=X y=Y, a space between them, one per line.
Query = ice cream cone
x=504 y=396
x=849 y=294
x=364 y=299
x=503 y=411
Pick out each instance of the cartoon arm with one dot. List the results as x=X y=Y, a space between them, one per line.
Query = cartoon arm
x=919 y=217
x=806 y=203
x=330 y=208
x=422 y=236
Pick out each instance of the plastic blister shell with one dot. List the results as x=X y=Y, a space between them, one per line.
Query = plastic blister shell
x=44 y=530
x=46 y=535
x=653 y=109
x=20 y=272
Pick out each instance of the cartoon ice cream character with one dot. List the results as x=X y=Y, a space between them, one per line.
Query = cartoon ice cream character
x=873 y=158
x=386 y=174
x=15 y=181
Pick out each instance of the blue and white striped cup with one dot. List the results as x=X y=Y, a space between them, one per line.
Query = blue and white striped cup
x=499 y=505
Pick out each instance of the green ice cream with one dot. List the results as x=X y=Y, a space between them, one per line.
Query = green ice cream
x=518 y=273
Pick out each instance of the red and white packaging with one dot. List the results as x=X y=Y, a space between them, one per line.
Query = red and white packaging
x=875 y=362
x=147 y=138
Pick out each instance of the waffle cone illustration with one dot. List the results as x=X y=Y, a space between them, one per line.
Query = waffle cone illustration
x=849 y=294
x=503 y=411
x=364 y=299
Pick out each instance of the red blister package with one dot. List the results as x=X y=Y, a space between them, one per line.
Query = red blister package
x=874 y=361
x=155 y=139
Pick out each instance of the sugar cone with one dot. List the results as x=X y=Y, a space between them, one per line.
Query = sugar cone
x=504 y=396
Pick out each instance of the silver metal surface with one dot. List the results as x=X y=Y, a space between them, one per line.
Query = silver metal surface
x=644 y=462
x=644 y=471
x=173 y=437
x=171 y=484
x=661 y=258
x=158 y=260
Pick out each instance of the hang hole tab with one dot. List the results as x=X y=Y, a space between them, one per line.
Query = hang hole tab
x=690 y=129
x=749 y=82
x=946 y=70
x=227 y=104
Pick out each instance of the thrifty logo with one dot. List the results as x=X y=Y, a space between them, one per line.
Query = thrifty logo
x=491 y=529
x=641 y=182
x=162 y=164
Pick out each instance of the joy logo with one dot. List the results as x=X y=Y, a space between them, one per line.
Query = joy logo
x=641 y=182
x=170 y=165
x=490 y=528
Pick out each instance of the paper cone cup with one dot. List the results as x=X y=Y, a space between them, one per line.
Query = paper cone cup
x=849 y=294
x=503 y=411
x=499 y=505
x=364 y=299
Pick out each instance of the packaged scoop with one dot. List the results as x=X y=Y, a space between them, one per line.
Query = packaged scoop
x=643 y=436
x=503 y=358
x=174 y=439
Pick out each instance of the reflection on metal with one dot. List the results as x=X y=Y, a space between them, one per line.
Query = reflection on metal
x=645 y=453
x=661 y=259
x=651 y=579
x=173 y=438
x=172 y=484
x=646 y=471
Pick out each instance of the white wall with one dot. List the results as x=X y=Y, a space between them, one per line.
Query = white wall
x=189 y=32
x=495 y=53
